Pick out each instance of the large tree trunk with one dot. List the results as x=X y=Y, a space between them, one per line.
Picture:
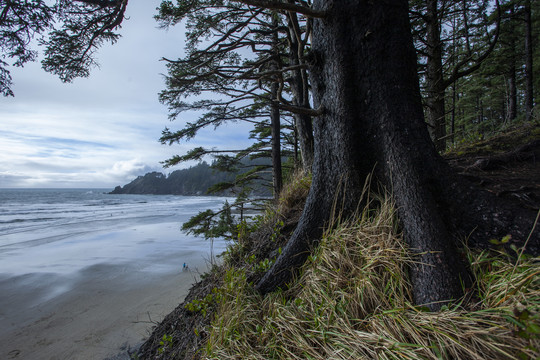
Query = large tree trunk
x=435 y=87
x=364 y=76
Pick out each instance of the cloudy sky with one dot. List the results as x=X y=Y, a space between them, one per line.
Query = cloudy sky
x=100 y=131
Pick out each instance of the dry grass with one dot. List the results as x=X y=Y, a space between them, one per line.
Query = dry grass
x=293 y=196
x=352 y=301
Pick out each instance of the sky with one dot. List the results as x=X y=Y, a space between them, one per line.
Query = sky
x=101 y=131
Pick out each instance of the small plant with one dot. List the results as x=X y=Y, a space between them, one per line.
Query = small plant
x=166 y=341
x=276 y=233
x=526 y=327
x=263 y=265
x=204 y=304
x=503 y=241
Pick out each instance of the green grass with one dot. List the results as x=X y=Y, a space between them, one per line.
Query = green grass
x=352 y=301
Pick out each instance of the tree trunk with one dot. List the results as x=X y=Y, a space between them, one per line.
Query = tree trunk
x=512 y=94
x=304 y=130
x=453 y=114
x=276 y=146
x=435 y=87
x=373 y=115
x=529 y=94
x=299 y=87
x=511 y=82
x=275 y=123
x=364 y=76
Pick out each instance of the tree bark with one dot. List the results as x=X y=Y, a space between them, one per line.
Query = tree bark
x=299 y=87
x=364 y=76
x=275 y=123
x=435 y=86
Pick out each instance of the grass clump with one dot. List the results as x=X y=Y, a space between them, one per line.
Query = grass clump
x=293 y=196
x=259 y=242
x=352 y=301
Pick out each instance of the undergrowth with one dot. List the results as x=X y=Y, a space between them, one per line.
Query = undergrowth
x=352 y=301
x=504 y=139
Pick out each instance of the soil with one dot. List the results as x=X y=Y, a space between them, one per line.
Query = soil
x=185 y=329
x=507 y=165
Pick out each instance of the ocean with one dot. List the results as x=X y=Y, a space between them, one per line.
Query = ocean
x=65 y=230
x=85 y=274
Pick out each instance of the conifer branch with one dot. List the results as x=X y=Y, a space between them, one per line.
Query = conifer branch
x=277 y=5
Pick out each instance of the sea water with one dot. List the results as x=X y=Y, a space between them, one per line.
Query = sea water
x=65 y=230
x=82 y=271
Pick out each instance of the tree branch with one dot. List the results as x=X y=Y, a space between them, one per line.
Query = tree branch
x=301 y=110
x=457 y=74
x=277 y=5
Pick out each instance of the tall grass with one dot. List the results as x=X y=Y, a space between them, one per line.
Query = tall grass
x=352 y=301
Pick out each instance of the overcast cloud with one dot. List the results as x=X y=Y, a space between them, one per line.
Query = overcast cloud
x=100 y=131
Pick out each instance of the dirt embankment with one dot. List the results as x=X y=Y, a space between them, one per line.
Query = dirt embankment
x=508 y=165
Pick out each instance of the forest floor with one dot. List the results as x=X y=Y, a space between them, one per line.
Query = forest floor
x=506 y=164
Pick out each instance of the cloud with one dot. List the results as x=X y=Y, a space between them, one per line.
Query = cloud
x=129 y=169
x=101 y=131
x=9 y=180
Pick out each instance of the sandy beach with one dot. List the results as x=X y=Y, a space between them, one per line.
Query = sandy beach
x=102 y=309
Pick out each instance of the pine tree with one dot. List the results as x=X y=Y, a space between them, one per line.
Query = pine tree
x=84 y=25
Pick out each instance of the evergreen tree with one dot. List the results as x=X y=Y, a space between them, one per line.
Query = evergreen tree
x=444 y=59
x=369 y=120
x=496 y=95
x=244 y=64
x=71 y=30
x=373 y=118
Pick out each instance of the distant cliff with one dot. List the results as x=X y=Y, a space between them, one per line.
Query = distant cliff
x=192 y=181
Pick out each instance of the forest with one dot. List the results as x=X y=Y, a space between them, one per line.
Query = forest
x=365 y=97
x=200 y=179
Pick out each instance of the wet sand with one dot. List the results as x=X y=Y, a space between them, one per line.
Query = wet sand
x=95 y=312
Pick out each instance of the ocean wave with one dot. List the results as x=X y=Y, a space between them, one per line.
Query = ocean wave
x=14 y=221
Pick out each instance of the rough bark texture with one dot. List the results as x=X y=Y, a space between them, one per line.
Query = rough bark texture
x=373 y=115
x=364 y=76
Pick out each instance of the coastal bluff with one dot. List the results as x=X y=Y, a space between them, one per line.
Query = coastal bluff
x=191 y=181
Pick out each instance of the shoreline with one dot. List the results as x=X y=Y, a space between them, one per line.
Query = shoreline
x=105 y=312
x=94 y=296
